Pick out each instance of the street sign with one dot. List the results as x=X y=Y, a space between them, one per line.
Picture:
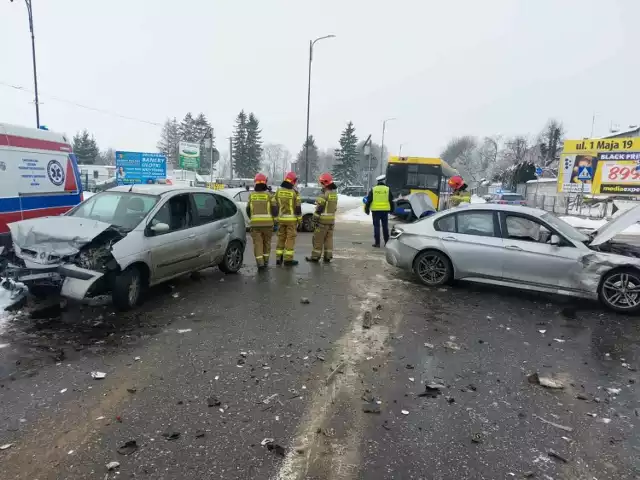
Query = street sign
x=137 y=167
x=585 y=173
x=538 y=172
x=189 y=153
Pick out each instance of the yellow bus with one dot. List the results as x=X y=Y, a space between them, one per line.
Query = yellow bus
x=407 y=175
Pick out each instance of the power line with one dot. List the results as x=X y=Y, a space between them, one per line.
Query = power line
x=79 y=105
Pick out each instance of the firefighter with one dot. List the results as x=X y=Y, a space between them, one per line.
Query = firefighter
x=380 y=203
x=324 y=219
x=261 y=209
x=289 y=215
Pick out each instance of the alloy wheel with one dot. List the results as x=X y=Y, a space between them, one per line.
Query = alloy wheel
x=234 y=257
x=622 y=290
x=432 y=269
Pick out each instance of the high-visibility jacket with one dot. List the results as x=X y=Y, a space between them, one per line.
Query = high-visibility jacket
x=260 y=209
x=380 y=202
x=289 y=206
x=326 y=206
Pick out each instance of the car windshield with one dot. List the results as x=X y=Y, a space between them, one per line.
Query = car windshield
x=121 y=209
x=512 y=197
x=310 y=191
x=564 y=228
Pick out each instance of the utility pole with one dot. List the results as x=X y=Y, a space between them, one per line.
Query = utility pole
x=366 y=147
x=230 y=158
x=384 y=127
x=306 y=139
x=33 y=55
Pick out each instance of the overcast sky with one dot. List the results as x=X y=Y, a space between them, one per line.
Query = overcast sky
x=442 y=68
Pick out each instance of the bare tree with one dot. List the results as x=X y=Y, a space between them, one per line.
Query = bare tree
x=550 y=141
x=224 y=165
x=272 y=158
x=462 y=154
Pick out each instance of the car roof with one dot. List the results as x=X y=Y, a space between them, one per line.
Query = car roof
x=535 y=212
x=158 y=189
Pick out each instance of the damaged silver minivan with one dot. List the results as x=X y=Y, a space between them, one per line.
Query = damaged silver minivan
x=126 y=239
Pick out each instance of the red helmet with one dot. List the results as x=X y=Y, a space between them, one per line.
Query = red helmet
x=291 y=177
x=456 y=182
x=260 y=178
x=326 y=179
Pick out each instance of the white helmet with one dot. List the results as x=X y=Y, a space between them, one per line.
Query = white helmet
x=381 y=178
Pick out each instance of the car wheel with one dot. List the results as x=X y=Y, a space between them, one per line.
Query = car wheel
x=620 y=290
x=127 y=289
x=233 y=258
x=307 y=223
x=433 y=268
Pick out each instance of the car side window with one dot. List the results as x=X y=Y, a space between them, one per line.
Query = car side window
x=209 y=207
x=526 y=229
x=175 y=212
x=242 y=196
x=476 y=223
x=229 y=208
x=446 y=224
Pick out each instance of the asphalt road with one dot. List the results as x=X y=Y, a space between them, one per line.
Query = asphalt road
x=211 y=366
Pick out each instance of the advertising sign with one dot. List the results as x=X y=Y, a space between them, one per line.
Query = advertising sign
x=189 y=153
x=600 y=166
x=136 y=167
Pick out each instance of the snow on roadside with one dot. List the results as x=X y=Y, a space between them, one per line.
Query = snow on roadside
x=354 y=215
x=347 y=203
x=476 y=199
x=5 y=301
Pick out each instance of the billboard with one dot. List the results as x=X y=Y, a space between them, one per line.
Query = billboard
x=189 y=153
x=137 y=167
x=603 y=166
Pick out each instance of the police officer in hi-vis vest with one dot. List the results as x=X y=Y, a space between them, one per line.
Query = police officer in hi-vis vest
x=380 y=204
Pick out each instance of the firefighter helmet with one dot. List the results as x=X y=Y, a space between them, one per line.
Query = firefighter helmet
x=456 y=182
x=260 y=178
x=326 y=179
x=291 y=177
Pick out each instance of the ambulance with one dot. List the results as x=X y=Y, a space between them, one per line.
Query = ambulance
x=39 y=176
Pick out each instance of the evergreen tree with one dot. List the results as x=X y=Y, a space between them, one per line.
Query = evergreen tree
x=169 y=138
x=85 y=148
x=241 y=166
x=253 y=145
x=188 y=130
x=346 y=167
x=202 y=129
x=313 y=160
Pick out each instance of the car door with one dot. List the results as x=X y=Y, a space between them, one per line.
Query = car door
x=472 y=241
x=213 y=227
x=175 y=251
x=529 y=256
x=241 y=199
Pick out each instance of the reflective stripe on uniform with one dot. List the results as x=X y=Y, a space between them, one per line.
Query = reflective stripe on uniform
x=279 y=252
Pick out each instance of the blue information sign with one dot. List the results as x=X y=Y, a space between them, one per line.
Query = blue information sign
x=538 y=171
x=136 y=167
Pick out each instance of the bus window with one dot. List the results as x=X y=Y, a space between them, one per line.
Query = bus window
x=423 y=176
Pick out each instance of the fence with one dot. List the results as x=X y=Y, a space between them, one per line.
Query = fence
x=575 y=205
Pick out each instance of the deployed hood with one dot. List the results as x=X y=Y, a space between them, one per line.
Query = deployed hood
x=616 y=226
x=47 y=239
x=420 y=203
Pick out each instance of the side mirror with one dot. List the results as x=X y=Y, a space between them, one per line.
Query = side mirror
x=160 y=228
x=555 y=240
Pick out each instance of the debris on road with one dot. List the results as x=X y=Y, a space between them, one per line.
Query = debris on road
x=132 y=390
x=200 y=433
x=63 y=390
x=266 y=441
x=554 y=424
x=428 y=345
x=136 y=359
x=613 y=391
x=556 y=455
x=268 y=400
x=411 y=379
x=432 y=390
x=451 y=345
x=404 y=412
x=213 y=402
x=340 y=366
x=542 y=331
x=408 y=366
x=371 y=407
x=582 y=397
x=305 y=301
x=476 y=438
x=128 y=448
x=367 y=320
x=378 y=307
x=545 y=381
x=529 y=474
x=184 y=330
x=6 y=446
x=277 y=449
x=559 y=340
x=112 y=465
x=171 y=435
x=98 y=375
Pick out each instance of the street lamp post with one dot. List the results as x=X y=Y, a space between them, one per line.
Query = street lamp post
x=384 y=128
x=33 y=54
x=306 y=140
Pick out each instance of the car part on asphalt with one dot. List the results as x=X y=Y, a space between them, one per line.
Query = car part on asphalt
x=128 y=448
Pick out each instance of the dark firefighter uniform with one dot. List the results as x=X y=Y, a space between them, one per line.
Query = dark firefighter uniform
x=261 y=209
x=289 y=214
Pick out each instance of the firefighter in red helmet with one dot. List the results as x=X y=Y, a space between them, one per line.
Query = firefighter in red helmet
x=289 y=215
x=457 y=184
x=324 y=219
x=261 y=210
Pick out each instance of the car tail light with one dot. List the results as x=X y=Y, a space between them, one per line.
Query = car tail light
x=523 y=202
x=503 y=202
